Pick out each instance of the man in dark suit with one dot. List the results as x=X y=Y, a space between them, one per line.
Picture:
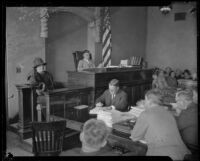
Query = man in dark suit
x=113 y=98
x=187 y=121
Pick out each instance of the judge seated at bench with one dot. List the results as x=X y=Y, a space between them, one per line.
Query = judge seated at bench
x=86 y=62
x=94 y=140
x=113 y=98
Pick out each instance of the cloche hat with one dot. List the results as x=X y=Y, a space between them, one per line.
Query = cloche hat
x=38 y=61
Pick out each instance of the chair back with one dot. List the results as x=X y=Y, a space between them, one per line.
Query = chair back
x=48 y=137
x=78 y=55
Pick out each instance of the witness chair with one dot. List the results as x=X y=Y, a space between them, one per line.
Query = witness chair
x=48 y=137
x=78 y=55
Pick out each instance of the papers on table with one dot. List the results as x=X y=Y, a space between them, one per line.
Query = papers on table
x=81 y=107
x=95 y=110
x=124 y=62
x=106 y=117
x=112 y=116
x=136 y=111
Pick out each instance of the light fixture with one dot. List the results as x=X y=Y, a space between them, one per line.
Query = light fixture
x=165 y=9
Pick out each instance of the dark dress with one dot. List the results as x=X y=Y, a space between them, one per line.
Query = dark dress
x=35 y=78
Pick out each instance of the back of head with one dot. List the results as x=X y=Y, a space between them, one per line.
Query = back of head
x=114 y=82
x=154 y=95
x=95 y=133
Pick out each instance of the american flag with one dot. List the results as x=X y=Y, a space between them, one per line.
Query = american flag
x=106 y=37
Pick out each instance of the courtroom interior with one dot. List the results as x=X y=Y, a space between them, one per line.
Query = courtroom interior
x=111 y=81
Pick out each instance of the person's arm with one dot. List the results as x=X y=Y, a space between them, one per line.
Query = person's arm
x=101 y=98
x=140 y=128
x=122 y=103
x=80 y=65
x=51 y=86
x=31 y=78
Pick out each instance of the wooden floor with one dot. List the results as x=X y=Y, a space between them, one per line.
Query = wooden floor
x=19 y=148
x=14 y=145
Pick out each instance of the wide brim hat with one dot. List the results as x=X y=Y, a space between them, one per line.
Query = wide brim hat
x=38 y=62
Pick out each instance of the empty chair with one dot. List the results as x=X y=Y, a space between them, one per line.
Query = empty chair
x=48 y=137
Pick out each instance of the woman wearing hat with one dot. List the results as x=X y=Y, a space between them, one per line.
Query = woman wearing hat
x=39 y=77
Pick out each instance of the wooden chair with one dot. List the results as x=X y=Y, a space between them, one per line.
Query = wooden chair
x=78 y=55
x=48 y=137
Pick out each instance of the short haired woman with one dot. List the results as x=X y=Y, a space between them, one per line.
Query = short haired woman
x=86 y=62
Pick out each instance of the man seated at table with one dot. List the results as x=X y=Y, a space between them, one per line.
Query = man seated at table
x=94 y=140
x=158 y=128
x=113 y=98
x=187 y=120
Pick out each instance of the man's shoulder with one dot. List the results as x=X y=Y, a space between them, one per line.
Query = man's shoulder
x=106 y=91
x=122 y=92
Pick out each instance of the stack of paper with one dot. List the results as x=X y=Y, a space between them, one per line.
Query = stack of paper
x=95 y=110
x=81 y=107
x=136 y=111
x=106 y=117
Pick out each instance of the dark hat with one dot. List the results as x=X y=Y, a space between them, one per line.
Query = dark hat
x=38 y=61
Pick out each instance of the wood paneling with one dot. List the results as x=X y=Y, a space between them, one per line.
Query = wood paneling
x=134 y=81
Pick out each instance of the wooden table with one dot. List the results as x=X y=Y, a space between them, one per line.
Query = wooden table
x=56 y=102
x=113 y=139
x=59 y=102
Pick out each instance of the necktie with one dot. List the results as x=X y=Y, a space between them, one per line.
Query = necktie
x=113 y=96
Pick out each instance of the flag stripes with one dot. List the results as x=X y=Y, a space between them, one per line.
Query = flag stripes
x=106 y=38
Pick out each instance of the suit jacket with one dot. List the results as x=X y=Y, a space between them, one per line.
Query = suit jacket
x=158 y=128
x=187 y=123
x=120 y=100
x=82 y=64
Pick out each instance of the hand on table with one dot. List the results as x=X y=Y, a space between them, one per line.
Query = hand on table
x=107 y=108
x=99 y=104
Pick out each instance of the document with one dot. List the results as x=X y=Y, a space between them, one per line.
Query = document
x=136 y=111
x=81 y=107
x=95 y=110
